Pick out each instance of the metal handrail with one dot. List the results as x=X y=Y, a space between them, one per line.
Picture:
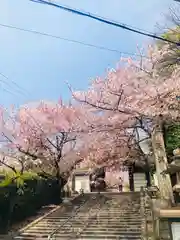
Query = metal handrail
x=95 y=216
x=89 y=211
x=71 y=224
x=70 y=217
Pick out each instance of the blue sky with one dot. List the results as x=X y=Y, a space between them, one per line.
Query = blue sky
x=41 y=65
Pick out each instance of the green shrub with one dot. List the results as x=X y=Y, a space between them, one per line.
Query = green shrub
x=172 y=138
x=22 y=195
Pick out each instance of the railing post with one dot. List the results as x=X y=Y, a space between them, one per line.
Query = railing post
x=152 y=193
x=154 y=221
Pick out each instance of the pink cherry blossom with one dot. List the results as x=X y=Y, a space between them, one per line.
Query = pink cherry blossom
x=44 y=131
x=127 y=96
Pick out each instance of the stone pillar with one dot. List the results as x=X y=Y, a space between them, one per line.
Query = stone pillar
x=164 y=181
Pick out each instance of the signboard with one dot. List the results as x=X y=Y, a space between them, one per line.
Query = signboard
x=175 y=227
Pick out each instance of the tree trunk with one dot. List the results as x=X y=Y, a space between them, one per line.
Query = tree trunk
x=57 y=198
x=148 y=178
x=164 y=181
x=147 y=172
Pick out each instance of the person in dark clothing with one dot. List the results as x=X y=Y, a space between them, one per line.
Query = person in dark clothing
x=120 y=184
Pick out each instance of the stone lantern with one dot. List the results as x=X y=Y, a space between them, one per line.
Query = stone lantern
x=176 y=153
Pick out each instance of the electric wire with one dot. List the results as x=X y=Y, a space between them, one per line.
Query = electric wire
x=70 y=40
x=104 y=20
x=108 y=19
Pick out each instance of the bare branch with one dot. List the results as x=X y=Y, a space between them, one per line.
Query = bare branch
x=7 y=165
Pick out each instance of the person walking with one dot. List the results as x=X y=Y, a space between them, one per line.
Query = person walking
x=120 y=184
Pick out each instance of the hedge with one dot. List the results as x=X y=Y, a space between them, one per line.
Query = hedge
x=23 y=196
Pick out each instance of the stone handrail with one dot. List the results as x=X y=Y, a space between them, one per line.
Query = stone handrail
x=147 y=196
x=154 y=218
x=143 y=214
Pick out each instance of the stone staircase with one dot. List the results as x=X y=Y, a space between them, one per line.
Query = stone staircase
x=92 y=216
x=139 y=181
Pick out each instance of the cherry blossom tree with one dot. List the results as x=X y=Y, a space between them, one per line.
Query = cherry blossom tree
x=132 y=97
x=44 y=137
x=102 y=127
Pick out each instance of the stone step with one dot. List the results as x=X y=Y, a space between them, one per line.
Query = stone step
x=114 y=204
x=112 y=237
x=86 y=230
x=128 y=206
x=116 y=221
x=83 y=237
x=99 y=236
x=92 y=222
x=107 y=233
x=120 y=206
x=121 y=203
x=92 y=215
x=84 y=234
x=110 y=220
x=120 y=210
x=118 y=218
x=137 y=214
x=107 y=213
x=91 y=226
x=81 y=215
x=74 y=221
x=111 y=229
x=100 y=221
x=80 y=225
x=126 y=211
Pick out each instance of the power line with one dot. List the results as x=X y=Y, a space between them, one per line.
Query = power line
x=20 y=89
x=70 y=40
x=107 y=18
x=14 y=89
x=110 y=19
x=104 y=20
